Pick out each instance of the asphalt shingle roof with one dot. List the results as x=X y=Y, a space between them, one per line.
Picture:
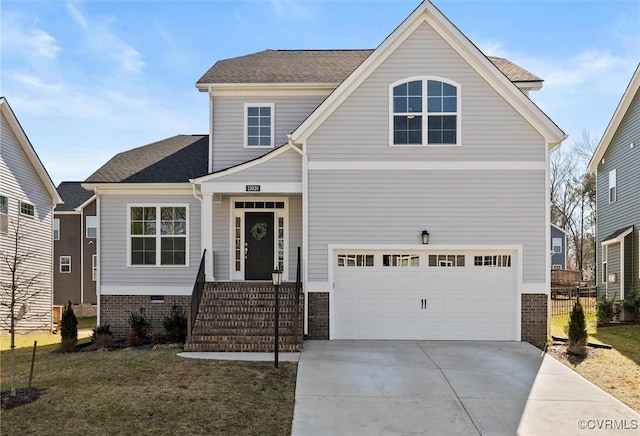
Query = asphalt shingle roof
x=172 y=160
x=314 y=66
x=73 y=196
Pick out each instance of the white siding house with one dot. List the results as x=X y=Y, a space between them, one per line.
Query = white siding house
x=27 y=199
x=414 y=177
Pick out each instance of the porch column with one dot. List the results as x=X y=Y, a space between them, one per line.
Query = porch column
x=206 y=233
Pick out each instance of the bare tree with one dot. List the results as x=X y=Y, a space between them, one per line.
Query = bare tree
x=19 y=287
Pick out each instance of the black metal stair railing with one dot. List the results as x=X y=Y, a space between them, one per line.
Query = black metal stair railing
x=196 y=296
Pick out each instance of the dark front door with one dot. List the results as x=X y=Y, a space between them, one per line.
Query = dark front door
x=258 y=237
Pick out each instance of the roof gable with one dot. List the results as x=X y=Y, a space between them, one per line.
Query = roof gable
x=618 y=116
x=35 y=161
x=428 y=13
x=73 y=195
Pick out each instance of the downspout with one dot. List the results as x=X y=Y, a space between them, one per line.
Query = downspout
x=98 y=255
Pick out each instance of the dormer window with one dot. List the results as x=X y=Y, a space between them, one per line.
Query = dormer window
x=425 y=111
x=259 y=125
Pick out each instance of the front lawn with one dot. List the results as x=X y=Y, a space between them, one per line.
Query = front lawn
x=617 y=371
x=148 y=392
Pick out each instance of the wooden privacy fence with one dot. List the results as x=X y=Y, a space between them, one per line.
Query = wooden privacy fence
x=562 y=300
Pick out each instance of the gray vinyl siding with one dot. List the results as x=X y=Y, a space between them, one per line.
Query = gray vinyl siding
x=66 y=286
x=113 y=245
x=489 y=207
x=222 y=233
x=456 y=207
x=228 y=125
x=286 y=167
x=625 y=211
x=491 y=128
x=19 y=181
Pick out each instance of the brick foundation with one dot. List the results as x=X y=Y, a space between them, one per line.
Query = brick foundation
x=318 y=315
x=534 y=319
x=115 y=310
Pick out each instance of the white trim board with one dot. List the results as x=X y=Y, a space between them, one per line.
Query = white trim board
x=428 y=165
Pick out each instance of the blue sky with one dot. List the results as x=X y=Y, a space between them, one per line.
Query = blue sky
x=88 y=79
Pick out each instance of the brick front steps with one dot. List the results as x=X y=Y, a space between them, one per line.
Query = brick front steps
x=239 y=316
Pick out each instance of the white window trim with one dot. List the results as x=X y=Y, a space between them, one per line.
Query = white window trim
x=56 y=228
x=158 y=236
x=94 y=267
x=20 y=203
x=556 y=266
x=605 y=256
x=553 y=245
x=65 y=257
x=277 y=213
x=87 y=227
x=425 y=114
x=245 y=124
x=4 y=224
x=613 y=184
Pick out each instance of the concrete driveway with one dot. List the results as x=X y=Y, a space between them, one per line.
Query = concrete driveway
x=448 y=388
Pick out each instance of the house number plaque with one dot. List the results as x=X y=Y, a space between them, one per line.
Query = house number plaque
x=253 y=188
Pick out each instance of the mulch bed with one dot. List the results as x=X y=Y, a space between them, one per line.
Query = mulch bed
x=23 y=397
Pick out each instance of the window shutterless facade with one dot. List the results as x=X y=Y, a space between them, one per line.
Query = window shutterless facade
x=92 y=227
x=27 y=209
x=259 y=125
x=424 y=111
x=4 y=215
x=613 y=188
x=158 y=235
x=56 y=229
x=94 y=267
x=557 y=245
x=65 y=264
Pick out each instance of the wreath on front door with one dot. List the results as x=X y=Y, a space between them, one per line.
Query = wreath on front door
x=259 y=231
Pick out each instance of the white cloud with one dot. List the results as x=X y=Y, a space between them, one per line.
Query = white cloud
x=20 y=36
x=103 y=41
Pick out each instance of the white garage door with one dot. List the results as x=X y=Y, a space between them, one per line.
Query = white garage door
x=453 y=295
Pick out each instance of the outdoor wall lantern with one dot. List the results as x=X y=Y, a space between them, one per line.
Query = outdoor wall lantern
x=425 y=237
x=276 y=279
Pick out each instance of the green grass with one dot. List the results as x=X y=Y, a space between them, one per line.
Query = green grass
x=88 y=322
x=617 y=371
x=149 y=392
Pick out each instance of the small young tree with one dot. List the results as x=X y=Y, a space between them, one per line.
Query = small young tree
x=577 y=330
x=19 y=287
x=68 y=329
x=175 y=324
x=140 y=324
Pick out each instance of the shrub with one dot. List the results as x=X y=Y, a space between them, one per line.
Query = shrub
x=605 y=310
x=68 y=329
x=632 y=303
x=102 y=336
x=140 y=324
x=175 y=324
x=133 y=340
x=158 y=338
x=577 y=329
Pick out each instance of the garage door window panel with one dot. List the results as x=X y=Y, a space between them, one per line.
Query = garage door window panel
x=355 y=260
x=400 y=260
x=446 y=260
x=501 y=260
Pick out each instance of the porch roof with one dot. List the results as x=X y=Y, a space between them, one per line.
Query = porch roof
x=617 y=236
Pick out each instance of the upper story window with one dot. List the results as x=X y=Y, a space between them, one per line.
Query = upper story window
x=557 y=245
x=158 y=235
x=56 y=229
x=27 y=209
x=613 y=192
x=4 y=215
x=425 y=111
x=92 y=226
x=259 y=124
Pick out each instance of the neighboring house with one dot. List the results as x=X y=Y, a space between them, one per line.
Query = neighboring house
x=616 y=163
x=75 y=233
x=27 y=199
x=558 y=247
x=413 y=176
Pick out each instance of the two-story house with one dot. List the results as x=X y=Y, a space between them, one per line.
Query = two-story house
x=27 y=199
x=414 y=177
x=558 y=248
x=616 y=163
x=75 y=232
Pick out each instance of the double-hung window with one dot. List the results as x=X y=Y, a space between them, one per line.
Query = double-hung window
x=4 y=215
x=65 y=264
x=613 y=194
x=56 y=229
x=92 y=226
x=557 y=245
x=259 y=124
x=425 y=111
x=158 y=235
